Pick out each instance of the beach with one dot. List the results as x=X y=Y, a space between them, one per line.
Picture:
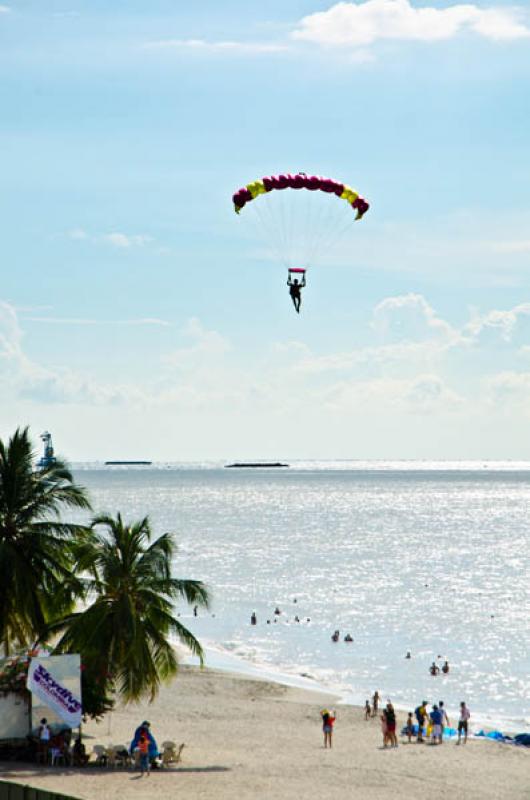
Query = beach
x=250 y=738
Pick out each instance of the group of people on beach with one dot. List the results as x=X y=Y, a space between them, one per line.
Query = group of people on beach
x=54 y=747
x=428 y=724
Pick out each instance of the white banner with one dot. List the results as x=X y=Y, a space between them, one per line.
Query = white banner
x=51 y=692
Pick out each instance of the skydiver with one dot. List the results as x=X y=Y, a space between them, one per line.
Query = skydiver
x=295 y=291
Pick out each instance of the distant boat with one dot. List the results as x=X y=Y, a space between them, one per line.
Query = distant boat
x=128 y=463
x=48 y=457
x=254 y=464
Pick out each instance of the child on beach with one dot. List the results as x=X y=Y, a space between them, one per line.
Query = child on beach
x=143 y=747
x=367 y=710
x=328 y=718
x=409 y=727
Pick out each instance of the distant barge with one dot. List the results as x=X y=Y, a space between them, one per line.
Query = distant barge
x=254 y=464
x=128 y=463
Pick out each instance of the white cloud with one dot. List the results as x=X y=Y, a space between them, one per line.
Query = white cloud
x=115 y=238
x=21 y=377
x=497 y=326
x=125 y=240
x=202 y=46
x=206 y=345
x=515 y=246
x=424 y=393
x=410 y=318
x=77 y=234
x=509 y=390
x=351 y=24
x=4 y=9
x=87 y=321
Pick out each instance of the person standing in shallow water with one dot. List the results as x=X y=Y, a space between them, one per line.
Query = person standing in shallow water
x=375 y=703
x=463 y=721
x=328 y=718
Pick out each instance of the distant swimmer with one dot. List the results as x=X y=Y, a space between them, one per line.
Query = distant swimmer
x=445 y=668
x=297 y=618
x=253 y=618
x=335 y=637
x=295 y=290
x=434 y=669
x=195 y=611
x=277 y=610
x=408 y=654
x=348 y=638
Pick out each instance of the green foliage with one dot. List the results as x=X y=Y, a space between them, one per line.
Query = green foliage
x=96 y=688
x=36 y=557
x=130 y=619
x=124 y=578
x=13 y=674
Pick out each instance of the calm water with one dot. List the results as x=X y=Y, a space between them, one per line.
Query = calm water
x=429 y=558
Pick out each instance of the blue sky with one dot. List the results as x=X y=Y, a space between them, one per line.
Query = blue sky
x=139 y=317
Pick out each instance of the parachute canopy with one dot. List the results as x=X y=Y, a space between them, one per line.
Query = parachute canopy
x=300 y=181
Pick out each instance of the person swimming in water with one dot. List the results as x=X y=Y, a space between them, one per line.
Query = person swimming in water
x=295 y=288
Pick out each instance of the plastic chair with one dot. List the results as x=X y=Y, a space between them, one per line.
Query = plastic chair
x=170 y=753
x=121 y=755
x=101 y=755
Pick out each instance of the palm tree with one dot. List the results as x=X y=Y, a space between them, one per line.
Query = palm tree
x=126 y=626
x=36 y=580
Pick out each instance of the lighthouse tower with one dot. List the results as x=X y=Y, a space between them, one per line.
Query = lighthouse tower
x=48 y=457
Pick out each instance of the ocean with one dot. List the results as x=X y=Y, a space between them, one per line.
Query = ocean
x=431 y=558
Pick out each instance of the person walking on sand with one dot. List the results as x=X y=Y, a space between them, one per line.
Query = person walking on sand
x=328 y=718
x=143 y=747
x=375 y=703
x=390 y=717
x=463 y=721
x=367 y=710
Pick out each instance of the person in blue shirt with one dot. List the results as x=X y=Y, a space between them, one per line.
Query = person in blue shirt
x=436 y=717
x=144 y=729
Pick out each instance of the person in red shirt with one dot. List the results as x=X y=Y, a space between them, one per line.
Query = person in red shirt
x=328 y=718
x=143 y=747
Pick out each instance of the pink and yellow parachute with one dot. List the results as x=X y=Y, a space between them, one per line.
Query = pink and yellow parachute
x=300 y=181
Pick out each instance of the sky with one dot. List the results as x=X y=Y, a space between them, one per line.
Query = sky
x=141 y=318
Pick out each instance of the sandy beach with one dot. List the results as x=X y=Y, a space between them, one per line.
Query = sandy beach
x=247 y=738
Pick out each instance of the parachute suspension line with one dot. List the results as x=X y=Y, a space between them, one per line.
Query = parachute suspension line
x=267 y=226
x=325 y=214
x=336 y=229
